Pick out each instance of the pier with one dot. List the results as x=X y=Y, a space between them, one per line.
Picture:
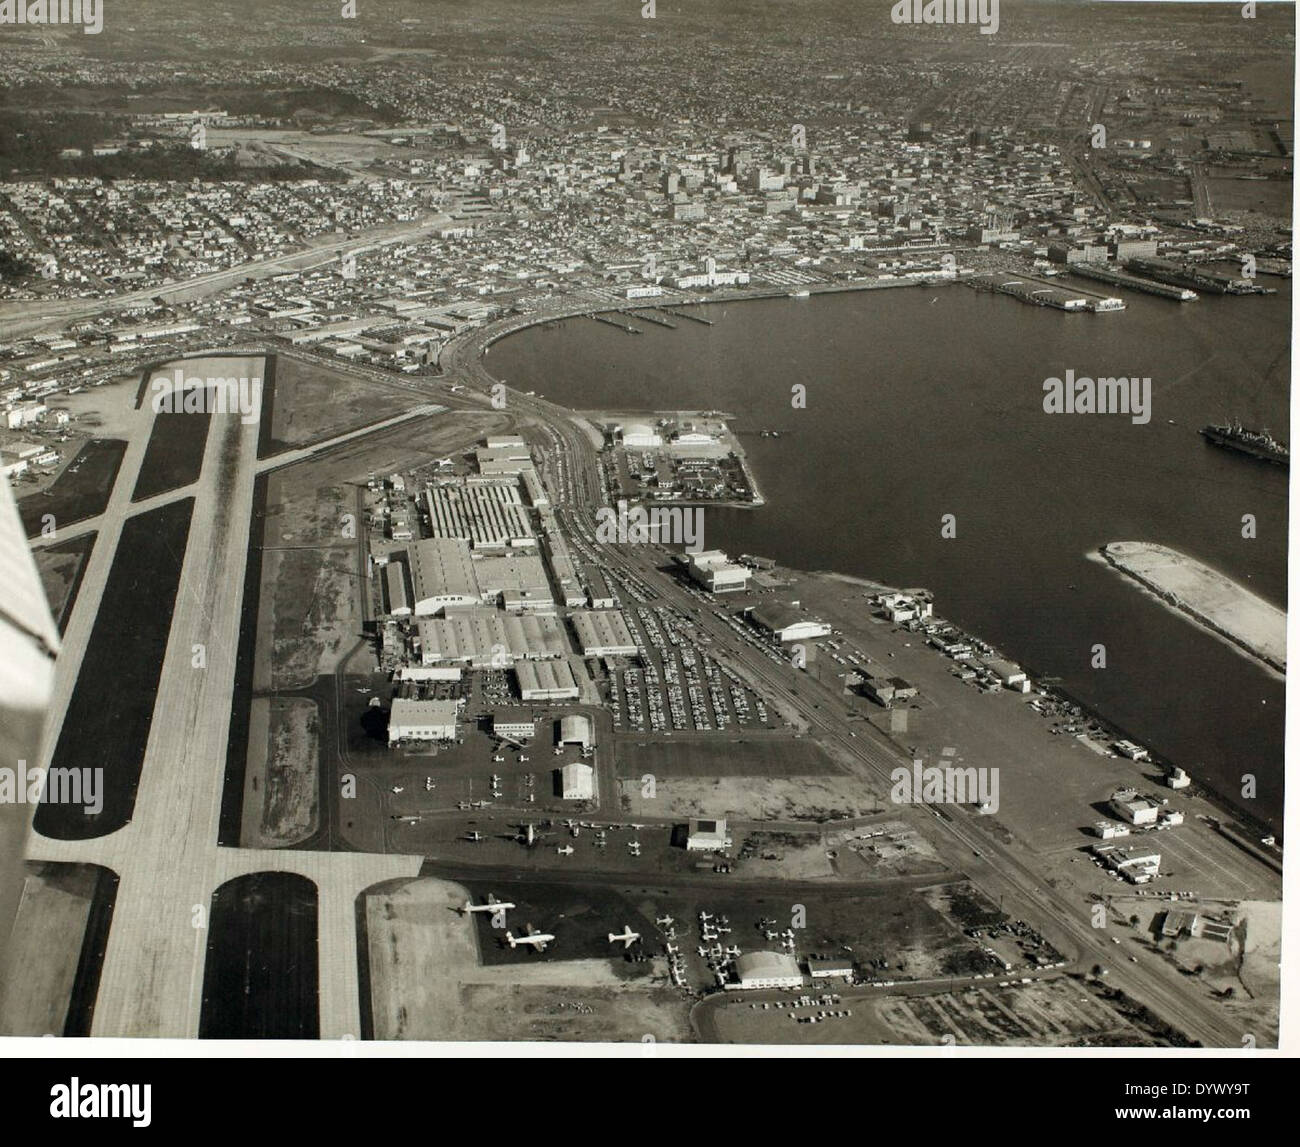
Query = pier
x=684 y=315
x=650 y=317
x=1121 y=279
x=628 y=327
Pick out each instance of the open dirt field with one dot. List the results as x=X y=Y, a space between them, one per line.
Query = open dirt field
x=281 y=804
x=750 y=798
x=315 y=400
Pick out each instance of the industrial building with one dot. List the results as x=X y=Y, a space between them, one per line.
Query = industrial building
x=767 y=970
x=706 y=835
x=503 y=459
x=514 y=723
x=422 y=721
x=488 y=515
x=603 y=633
x=1132 y=864
x=577 y=782
x=516 y=579
x=399 y=601
x=718 y=573
x=1136 y=810
x=823 y=969
x=904 y=607
x=442 y=574
x=489 y=639
x=886 y=690
x=546 y=681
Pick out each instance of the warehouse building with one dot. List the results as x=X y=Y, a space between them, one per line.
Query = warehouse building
x=442 y=574
x=823 y=969
x=603 y=633
x=421 y=721
x=546 y=681
x=577 y=782
x=399 y=601
x=489 y=639
x=767 y=970
x=517 y=580
x=718 y=573
x=488 y=515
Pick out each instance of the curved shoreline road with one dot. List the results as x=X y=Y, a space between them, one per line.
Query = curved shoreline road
x=967 y=847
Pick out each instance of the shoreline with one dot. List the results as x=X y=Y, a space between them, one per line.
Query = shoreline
x=477 y=360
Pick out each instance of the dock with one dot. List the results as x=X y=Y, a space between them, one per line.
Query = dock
x=684 y=315
x=1122 y=279
x=650 y=317
x=628 y=327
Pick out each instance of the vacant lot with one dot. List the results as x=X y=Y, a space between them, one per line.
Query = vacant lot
x=281 y=801
x=314 y=400
x=749 y=797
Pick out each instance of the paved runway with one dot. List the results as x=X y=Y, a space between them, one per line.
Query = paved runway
x=167 y=857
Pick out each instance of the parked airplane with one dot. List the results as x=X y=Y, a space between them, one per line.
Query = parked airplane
x=538 y=940
x=491 y=905
x=399 y=788
x=627 y=936
x=474 y=836
x=566 y=850
x=665 y=921
x=428 y=784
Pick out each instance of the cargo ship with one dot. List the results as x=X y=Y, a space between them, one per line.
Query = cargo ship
x=1257 y=443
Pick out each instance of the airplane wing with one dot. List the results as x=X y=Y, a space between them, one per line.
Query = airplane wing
x=29 y=642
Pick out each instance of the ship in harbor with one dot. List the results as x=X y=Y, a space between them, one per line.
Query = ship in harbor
x=1257 y=443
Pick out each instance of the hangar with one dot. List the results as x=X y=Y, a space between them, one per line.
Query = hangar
x=421 y=721
x=442 y=573
x=577 y=782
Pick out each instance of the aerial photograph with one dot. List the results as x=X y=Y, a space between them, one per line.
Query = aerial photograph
x=606 y=527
